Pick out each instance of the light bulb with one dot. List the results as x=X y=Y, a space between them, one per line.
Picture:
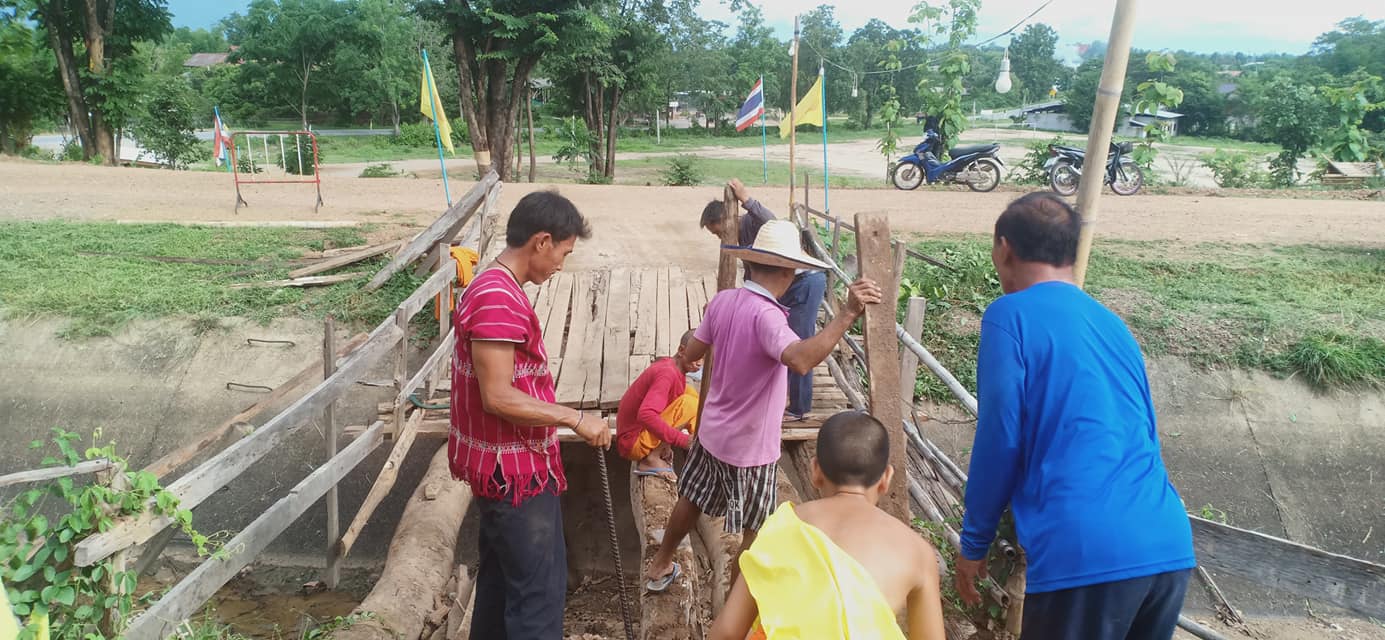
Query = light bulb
x=1002 y=83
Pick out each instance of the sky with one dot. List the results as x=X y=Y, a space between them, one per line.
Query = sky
x=1251 y=26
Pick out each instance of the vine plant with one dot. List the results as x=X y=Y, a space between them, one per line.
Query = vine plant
x=56 y=598
x=955 y=19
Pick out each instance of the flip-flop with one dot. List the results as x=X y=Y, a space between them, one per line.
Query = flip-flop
x=662 y=584
x=789 y=417
x=653 y=472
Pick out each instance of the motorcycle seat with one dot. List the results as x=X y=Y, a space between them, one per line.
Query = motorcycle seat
x=966 y=150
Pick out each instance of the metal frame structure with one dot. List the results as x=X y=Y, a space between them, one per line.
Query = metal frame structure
x=316 y=178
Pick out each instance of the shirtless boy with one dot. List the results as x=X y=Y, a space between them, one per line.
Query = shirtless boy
x=787 y=589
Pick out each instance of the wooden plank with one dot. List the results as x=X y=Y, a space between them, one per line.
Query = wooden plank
x=443 y=351
x=637 y=366
x=175 y=459
x=346 y=259
x=200 y=483
x=572 y=379
x=1291 y=567
x=709 y=286
x=594 y=351
x=646 y=323
x=186 y=597
x=332 y=575
x=313 y=281
x=435 y=284
x=697 y=301
x=453 y=218
x=678 y=309
x=383 y=483
x=615 y=359
x=908 y=361
x=556 y=323
x=437 y=428
x=543 y=300
x=882 y=350
x=663 y=343
x=53 y=473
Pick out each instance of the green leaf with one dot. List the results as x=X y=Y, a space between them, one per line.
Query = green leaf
x=130 y=581
x=23 y=573
x=85 y=612
x=66 y=595
x=36 y=444
x=64 y=535
x=60 y=553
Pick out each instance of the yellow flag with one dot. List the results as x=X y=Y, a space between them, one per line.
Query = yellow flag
x=808 y=111
x=429 y=110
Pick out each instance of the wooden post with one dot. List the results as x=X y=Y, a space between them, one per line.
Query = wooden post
x=1108 y=104
x=444 y=306
x=112 y=624
x=401 y=372
x=726 y=278
x=793 y=108
x=882 y=352
x=908 y=362
x=329 y=423
x=1015 y=585
x=899 y=255
x=836 y=304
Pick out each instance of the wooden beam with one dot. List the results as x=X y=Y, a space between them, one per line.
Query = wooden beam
x=429 y=290
x=882 y=350
x=646 y=324
x=571 y=380
x=443 y=351
x=1291 y=567
x=342 y=260
x=663 y=342
x=200 y=483
x=490 y=227
x=453 y=218
x=313 y=281
x=436 y=428
x=332 y=575
x=615 y=360
x=908 y=360
x=186 y=597
x=382 y=485
x=175 y=459
x=53 y=473
x=594 y=352
x=555 y=323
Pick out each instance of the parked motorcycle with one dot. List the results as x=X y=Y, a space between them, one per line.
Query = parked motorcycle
x=976 y=166
x=1064 y=168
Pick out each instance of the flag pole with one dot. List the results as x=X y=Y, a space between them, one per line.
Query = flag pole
x=437 y=133
x=764 y=139
x=822 y=81
x=793 y=119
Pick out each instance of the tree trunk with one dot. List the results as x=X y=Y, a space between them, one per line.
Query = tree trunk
x=67 y=71
x=98 y=26
x=303 y=98
x=467 y=90
x=422 y=556
x=394 y=114
x=529 y=110
x=612 y=130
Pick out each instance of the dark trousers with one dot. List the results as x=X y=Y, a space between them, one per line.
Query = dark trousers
x=803 y=299
x=521 y=585
x=1136 y=609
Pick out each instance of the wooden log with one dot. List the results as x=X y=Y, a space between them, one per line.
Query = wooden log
x=332 y=574
x=344 y=259
x=382 y=485
x=882 y=350
x=313 y=281
x=200 y=483
x=1299 y=569
x=435 y=284
x=615 y=361
x=454 y=217
x=421 y=559
x=175 y=459
x=461 y=605
x=186 y=597
x=1191 y=626
x=53 y=473
x=1225 y=611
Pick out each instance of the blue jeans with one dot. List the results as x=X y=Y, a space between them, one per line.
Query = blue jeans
x=521 y=585
x=1136 y=609
x=803 y=299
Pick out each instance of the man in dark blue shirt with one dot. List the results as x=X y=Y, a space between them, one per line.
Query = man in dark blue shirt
x=1066 y=436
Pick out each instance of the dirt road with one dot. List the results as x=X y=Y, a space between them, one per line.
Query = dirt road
x=640 y=226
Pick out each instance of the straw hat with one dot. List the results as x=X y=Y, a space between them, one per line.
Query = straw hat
x=777 y=245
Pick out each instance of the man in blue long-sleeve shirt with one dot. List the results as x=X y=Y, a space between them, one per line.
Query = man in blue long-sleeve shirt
x=1066 y=436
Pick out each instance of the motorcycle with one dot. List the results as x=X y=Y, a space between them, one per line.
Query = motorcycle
x=1064 y=168
x=976 y=166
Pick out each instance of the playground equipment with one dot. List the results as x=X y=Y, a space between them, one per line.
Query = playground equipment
x=289 y=168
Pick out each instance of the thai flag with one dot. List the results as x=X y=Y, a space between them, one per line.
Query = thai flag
x=753 y=108
x=221 y=140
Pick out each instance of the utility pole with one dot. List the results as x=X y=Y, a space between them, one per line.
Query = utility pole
x=1108 y=97
x=793 y=108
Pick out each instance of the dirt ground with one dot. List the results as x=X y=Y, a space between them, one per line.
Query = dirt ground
x=645 y=226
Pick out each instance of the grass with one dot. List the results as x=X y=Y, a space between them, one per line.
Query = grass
x=1308 y=312
x=99 y=277
x=718 y=171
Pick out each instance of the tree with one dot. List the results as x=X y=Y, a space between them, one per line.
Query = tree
x=1348 y=107
x=1290 y=115
x=380 y=69
x=93 y=42
x=496 y=45
x=1356 y=43
x=168 y=126
x=956 y=20
x=821 y=36
x=1033 y=57
x=28 y=93
x=286 y=44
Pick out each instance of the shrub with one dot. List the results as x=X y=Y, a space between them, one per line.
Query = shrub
x=168 y=125
x=32 y=152
x=381 y=170
x=1235 y=169
x=299 y=161
x=71 y=151
x=682 y=171
x=1030 y=169
x=420 y=134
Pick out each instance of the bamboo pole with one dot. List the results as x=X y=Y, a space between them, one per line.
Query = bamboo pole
x=793 y=108
x=1108 y=103
x=329 y=423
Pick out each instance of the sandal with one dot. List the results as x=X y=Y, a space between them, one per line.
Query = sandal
x=662 y=584
x=653 y=472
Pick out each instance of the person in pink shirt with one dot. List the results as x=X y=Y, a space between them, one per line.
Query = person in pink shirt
x=732 y=464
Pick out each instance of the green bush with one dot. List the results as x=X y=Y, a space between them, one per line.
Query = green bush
x=683 y=171
x=167 y=127
x=1235 y=169
x=1030 y=169
x=299 y=161
x=420 y=134
x=32 y=152
x=381 y=170
x=71 y=151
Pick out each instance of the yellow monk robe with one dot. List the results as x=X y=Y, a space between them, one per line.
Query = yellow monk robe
x=805 y=586
x=682 y=411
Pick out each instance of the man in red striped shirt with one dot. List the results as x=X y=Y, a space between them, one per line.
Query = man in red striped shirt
x=503 y=440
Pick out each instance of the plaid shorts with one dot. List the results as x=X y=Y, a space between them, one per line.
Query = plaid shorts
x=745 y=495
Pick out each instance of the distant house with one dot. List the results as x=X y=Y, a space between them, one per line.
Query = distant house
x=1134 y=127
x=204 y=60
x=1048 y=116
